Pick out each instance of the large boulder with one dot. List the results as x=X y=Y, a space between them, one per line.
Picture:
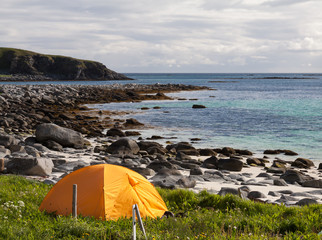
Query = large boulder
x=230 y=164
x=302 y=163
x=115 y=132
x=292 y=176
x=210 y=163
x=30 y=166
x=64 y=136
x=124 y=146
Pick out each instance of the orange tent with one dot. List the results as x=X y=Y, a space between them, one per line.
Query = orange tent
x=105 y=192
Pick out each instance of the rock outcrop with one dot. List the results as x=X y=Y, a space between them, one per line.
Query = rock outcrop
x=24 y=63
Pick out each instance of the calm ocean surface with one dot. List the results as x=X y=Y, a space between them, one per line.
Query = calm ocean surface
x=250 y=111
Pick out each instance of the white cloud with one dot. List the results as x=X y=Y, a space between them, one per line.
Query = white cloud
x=188 y=35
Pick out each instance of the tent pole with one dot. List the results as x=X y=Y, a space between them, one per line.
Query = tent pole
x=74 y=207
x=133 y=222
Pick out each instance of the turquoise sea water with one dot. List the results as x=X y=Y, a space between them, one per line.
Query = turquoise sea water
x=250 y=111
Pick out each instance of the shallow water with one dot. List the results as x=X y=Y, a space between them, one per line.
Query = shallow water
x=246 y=111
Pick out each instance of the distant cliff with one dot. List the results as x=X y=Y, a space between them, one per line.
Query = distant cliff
x=17 y=63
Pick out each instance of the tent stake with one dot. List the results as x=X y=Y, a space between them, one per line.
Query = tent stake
x=135 y=211
x=74 y=207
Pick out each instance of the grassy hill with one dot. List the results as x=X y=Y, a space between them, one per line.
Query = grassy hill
x=22 y=62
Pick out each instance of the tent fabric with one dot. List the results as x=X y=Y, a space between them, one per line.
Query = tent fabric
x=105 y=192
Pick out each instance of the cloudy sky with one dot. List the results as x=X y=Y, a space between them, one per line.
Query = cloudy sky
x=171 y=35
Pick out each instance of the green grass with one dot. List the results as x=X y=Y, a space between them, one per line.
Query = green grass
x=199 y=216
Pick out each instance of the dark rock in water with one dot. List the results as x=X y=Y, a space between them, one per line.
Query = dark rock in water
x=64 y=136
x=124 y=146
x=302 y=163
x=158 y=165
x=113 y=132
x=226 y=190
x=280 y=182
x=144 y=145
x=7 y=140
x=313 y=183
x=198 y=106
x=186 y=182
x=255 y=194
x=207 y=152
x=196 y=171
x=272 y=151
x=290 y=153
x=320 y=166
x=243 y=152
x=306 y=201
x=132 y=133
x=210 y=163
x=131 y=122
x=228 y=151
x=181 y=146
x=230 y=164
x=292 y=176
x=30 y=166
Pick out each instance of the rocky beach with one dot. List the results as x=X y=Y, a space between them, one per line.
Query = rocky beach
x=48 y=132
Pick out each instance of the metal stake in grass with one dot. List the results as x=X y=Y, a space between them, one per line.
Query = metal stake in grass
x=74 y=207
x=136 y=213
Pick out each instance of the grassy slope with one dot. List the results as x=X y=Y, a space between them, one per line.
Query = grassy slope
x=21 y=52
x=203 y=216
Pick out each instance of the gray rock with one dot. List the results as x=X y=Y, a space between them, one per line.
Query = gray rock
x=144 y=171
x=115 y=132
x=159 y=165
x=286 y=191
x=53 y=145
x=313 y=183
x=7 y=140
x=124 y=146
x=210 y=163
x=72 y=166
x=186 y=182
x=230 y=164
x=302 y=163
x=306 y=201
x=32 y=151
x=30 y=166
x=196 y=171
x=274 y=194
x=40 y=147
x=255 y=194
x=276 y=170
x=292 y=176
x=182 y=156
x=279 y=182
x=226 y=190
x=264 y=175
x=64 y=136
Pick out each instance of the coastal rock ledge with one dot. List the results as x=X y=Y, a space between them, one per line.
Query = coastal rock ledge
x=22 y=65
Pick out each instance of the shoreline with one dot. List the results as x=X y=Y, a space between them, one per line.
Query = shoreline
x=174 y=165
